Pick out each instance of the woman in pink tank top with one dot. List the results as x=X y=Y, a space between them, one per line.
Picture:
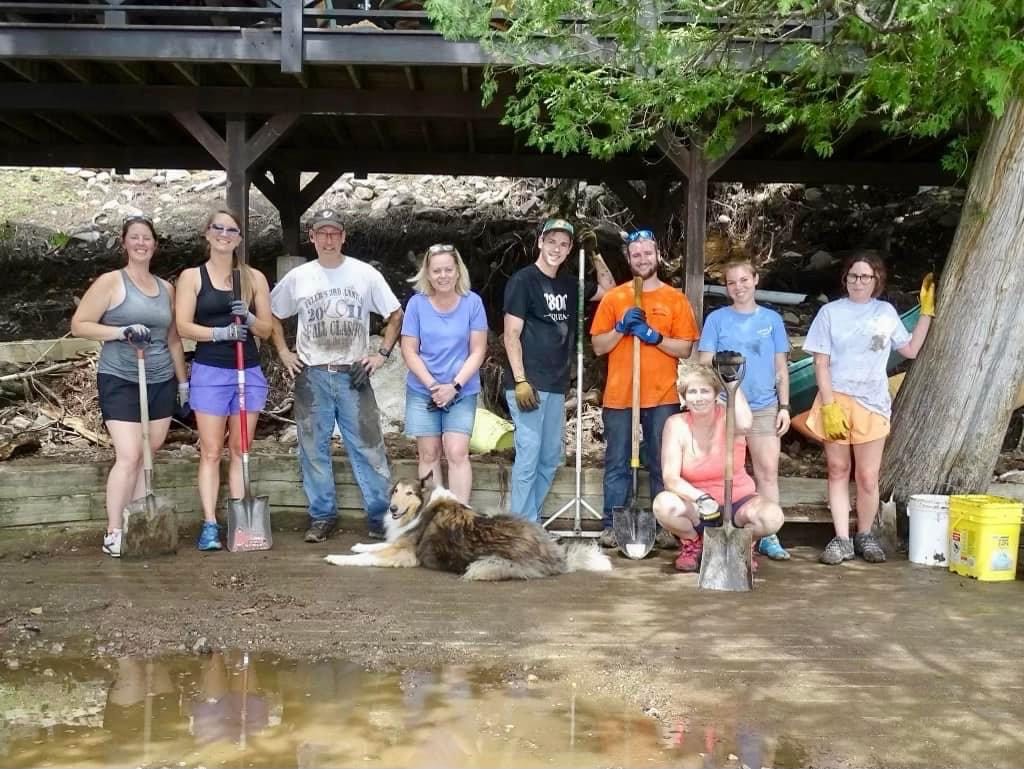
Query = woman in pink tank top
x=693 y=467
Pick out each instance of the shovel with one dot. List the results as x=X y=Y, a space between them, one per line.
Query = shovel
x=725 y=563
x=248 y=517
x=150 y=524
x=635 y=529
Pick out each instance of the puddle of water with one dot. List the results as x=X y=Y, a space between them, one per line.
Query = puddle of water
x=233 y=709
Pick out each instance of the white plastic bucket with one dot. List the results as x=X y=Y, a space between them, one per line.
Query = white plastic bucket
x=929 y=529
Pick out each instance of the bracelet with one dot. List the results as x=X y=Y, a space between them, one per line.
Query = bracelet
x=784 y=407
x=385 y=353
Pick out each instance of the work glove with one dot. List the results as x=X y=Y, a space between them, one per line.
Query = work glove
x=630 y=318
x=588 y=240
x=232 y=333
x=645 y=333
x=184 y=410
x=928 y=295
x=526 y=396
x=241 y=310
x=359 y=376
x=136 y=334
x=834 y=422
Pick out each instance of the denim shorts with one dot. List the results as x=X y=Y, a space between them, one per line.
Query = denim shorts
x=421 y=422
x=214 y=390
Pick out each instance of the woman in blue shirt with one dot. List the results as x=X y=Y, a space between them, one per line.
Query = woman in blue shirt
x=444 y=340
x=760 y=336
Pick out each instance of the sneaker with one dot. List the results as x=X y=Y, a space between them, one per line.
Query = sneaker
x=867 y=546
x=209 y=537
x=608 y=538
x=376 y=533
x=665 y=540
x=689 y=554
x=112 y=543
x=320 y=530
x=771 y=547
x=838 y=550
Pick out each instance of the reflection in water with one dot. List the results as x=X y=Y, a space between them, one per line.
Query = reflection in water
x=233 y=709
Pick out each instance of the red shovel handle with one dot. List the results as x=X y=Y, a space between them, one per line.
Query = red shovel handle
x=243 y=422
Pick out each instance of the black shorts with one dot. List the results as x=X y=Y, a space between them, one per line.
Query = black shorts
x=119 y=398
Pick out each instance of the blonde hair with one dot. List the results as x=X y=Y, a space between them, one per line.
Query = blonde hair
x=248 y=291
x=738 y=263
x=421 y=282
x=703 y=374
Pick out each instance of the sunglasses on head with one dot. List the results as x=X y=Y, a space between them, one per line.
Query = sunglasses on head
x=441 y=248
x=222 y=229
x=636 y=235
x=128 y=220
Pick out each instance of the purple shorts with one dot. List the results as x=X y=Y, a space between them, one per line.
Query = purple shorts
x=214 y=390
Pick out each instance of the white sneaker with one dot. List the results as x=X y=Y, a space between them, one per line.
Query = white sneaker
x=112 y=543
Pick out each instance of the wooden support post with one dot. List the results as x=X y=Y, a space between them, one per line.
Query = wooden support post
x=238 y=155
x=291 y=38
x=286 y=185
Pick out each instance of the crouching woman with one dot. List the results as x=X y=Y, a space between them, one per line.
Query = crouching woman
x=693 y=468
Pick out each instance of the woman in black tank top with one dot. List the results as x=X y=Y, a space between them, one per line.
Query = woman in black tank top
x=206 y=313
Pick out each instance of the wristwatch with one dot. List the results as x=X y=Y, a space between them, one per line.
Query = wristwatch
x=385 y=353
x=457 y=386
x=784 y=407
x=707 y=507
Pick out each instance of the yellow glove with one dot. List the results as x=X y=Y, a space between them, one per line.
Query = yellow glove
x=588 y=240
x=928 y=295
x=834 y=421
x=526 y=396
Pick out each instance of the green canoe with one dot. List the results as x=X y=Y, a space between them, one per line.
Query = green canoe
x=802 y=386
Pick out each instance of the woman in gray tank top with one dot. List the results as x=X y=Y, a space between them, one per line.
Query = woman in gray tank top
x=124 y=309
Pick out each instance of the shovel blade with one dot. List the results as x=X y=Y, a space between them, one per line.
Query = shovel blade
x=726 y=561
x=249 y=524
x=150 y=528
x=635 y=531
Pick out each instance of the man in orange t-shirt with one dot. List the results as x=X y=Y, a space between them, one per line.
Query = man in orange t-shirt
x=667 y=330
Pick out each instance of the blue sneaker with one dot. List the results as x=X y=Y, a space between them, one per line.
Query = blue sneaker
x=209 y=537
x=771 y=547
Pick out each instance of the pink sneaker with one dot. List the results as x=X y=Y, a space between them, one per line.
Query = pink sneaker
x=688 y=559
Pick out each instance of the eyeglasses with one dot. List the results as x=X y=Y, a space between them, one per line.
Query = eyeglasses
x=441 y=248
x=852 y=278
x=636 y=235
x=220 y=229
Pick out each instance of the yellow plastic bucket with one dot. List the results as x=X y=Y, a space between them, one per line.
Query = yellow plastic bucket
x=490 y=433
x=984 y=534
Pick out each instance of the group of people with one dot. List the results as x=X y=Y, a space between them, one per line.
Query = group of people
x=442 y=336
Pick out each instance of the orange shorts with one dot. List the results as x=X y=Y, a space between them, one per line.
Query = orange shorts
x=865 y=425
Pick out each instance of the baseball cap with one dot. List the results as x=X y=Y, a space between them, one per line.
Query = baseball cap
x=557 y=224
x=325 y=217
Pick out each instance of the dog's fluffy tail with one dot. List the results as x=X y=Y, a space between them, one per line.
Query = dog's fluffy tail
x=586 y=556
x=492 y=569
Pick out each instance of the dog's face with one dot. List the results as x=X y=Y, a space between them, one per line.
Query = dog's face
x=406 y=501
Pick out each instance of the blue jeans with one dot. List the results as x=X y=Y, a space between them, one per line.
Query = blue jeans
x=618 y=476
x=540 y=441
x=323 y=398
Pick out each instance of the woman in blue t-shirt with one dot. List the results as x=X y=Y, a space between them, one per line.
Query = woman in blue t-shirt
x=444 y=340
x=760 y=336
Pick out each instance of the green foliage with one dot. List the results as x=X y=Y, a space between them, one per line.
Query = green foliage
x=602 y=77
x=58 y=240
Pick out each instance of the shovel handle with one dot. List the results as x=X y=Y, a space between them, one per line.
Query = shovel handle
x=634 y=460
x=243 y=422
x=147 y=450
x=730 y=439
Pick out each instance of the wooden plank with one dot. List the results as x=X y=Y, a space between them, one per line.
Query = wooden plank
x=29 y=351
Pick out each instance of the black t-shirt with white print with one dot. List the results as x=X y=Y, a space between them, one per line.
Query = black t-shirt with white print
x=548 y=309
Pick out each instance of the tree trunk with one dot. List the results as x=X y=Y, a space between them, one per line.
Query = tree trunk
x=953 y=409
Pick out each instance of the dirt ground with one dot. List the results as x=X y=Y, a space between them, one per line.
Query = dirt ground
x=891 y=665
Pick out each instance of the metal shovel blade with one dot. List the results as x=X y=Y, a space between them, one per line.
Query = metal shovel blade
x=726 y=561
x=635 y=531
x=249 y=524
x=150 y=528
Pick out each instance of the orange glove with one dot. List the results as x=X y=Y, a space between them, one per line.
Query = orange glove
x=834 y=422
x=928 y=295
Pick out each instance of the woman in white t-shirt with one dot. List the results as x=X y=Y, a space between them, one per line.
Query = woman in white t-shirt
x=851 y=339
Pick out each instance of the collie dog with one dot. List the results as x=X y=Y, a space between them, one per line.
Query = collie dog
x=427 y=526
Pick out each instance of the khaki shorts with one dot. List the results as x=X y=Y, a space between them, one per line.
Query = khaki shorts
x=764 y=421
x=865 y=425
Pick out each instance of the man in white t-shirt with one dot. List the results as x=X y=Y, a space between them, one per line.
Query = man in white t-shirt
x=332 y=365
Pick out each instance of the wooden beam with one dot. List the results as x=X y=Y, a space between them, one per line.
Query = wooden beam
x=410 y=78
x=62 y=127
x=238 y=178
x=268 y=135
x=80 y=70
x=315 y=188
x=746 y=132
x=203 y=133
x=135 y=72
x=291 y=38
x=696 y=231
x=353 y=75
x=27 y=70
x=188 y=71
x=106 y=128
x=382 y=138
x=246 y=73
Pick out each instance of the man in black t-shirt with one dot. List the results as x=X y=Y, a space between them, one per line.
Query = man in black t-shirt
x=540 y=335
